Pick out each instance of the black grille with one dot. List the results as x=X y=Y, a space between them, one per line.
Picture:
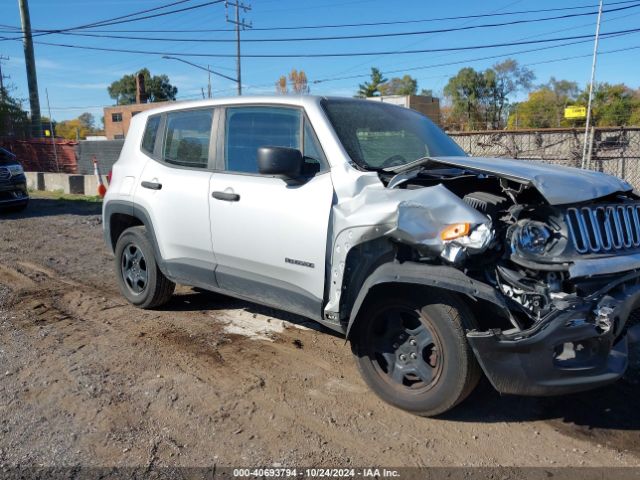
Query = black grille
x=5 y=174
x=604 y=228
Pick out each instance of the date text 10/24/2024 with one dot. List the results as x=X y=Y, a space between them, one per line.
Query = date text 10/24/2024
x=316 y=472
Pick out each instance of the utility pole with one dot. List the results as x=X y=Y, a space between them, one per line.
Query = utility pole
x=2 y=59
x=209 y=85
x=30 y=62
x=240 y=25
x=593 y=78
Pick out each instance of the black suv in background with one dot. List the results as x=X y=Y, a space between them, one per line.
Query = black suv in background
x=13 y=183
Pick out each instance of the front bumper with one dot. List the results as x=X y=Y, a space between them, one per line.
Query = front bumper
x=13 y=193
x=565 y=352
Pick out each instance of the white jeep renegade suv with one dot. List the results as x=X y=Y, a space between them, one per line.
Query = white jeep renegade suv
x=367 y=218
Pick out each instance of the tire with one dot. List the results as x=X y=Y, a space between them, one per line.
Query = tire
x=20 y=208
x=413 y=353
x=139 y=277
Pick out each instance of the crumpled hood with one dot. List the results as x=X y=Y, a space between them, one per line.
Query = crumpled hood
x=557 y=184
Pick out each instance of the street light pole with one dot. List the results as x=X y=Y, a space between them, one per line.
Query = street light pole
x=53 y=137
x=593 y=78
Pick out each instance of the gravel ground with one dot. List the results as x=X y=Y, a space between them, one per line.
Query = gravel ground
x=86 y=379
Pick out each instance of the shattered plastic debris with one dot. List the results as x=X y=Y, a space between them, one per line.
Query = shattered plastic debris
x=476 y=242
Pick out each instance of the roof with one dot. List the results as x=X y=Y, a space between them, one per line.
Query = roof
x=295 y=100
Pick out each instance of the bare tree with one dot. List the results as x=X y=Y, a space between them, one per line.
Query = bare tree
x=281 y=86
x=297 y=81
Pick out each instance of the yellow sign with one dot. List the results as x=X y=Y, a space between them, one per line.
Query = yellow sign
x=575 y=112
x=47 y=133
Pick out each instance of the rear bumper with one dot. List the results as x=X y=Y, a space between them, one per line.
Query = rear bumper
x=565 y=352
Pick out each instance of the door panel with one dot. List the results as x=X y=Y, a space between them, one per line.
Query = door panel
x=270 y=243
x=174 y=189
x=177 y=201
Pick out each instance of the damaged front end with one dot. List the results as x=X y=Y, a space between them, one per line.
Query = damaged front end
x=554 y=277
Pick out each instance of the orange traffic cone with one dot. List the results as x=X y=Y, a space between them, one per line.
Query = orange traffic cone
x=102 y=190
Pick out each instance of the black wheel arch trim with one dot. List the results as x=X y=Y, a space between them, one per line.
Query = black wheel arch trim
x=135 y=211
x=443 y=277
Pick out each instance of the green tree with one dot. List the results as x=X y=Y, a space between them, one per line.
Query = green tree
x=72 y=129
x=613 y=105
x=545 y=106
x=87 y=120
x=540 y=110
x=634 y=119
x=14 y=120
x=467 y=93
x=565 y=93
x=481 y=99
x=158 y=88
x=372 y=88
x=407 y=85
x=501 y=82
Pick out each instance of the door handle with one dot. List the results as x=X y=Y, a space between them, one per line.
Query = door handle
x=227 y=197
x=152 y=185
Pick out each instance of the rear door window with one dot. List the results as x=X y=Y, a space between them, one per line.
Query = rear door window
x=187 y=137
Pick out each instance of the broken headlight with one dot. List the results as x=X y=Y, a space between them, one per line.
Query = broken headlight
x=470 y=241
x=531 y=237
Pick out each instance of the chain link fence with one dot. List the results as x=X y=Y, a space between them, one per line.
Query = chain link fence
x=610 y=150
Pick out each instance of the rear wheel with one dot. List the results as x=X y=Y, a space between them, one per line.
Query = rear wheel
x=413 y=353
x=139 y=277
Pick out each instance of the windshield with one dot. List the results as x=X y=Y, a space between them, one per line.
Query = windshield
x=6 y=157
x=379 y=135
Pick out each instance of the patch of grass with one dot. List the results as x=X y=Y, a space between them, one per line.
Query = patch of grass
x=60 y=195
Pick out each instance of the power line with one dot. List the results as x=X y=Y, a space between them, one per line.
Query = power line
x=352 y=37
x=562 y=59
x=342 y=54
x=471 y=60
x=96 y=24
x=124 y=18
x=340 y=25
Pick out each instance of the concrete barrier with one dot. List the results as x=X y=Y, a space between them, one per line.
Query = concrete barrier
x=64 y=182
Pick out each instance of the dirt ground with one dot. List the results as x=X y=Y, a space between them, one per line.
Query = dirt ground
x=86 y=379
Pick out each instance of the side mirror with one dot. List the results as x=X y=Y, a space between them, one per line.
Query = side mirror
x=280 y=161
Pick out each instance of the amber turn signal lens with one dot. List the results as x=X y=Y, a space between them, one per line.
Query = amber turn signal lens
x=454 y=231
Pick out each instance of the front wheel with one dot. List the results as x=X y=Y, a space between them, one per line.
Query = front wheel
x=139 y=277
x=413 y=353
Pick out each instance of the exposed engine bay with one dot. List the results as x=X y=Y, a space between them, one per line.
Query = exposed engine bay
x=548 y=258
x=526 y=246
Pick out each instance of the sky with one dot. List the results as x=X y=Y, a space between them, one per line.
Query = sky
x=77 y=80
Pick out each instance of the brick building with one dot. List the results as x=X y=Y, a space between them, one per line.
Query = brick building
x=118 y=118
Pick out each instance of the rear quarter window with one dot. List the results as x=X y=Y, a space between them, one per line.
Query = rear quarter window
x=150 y=134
